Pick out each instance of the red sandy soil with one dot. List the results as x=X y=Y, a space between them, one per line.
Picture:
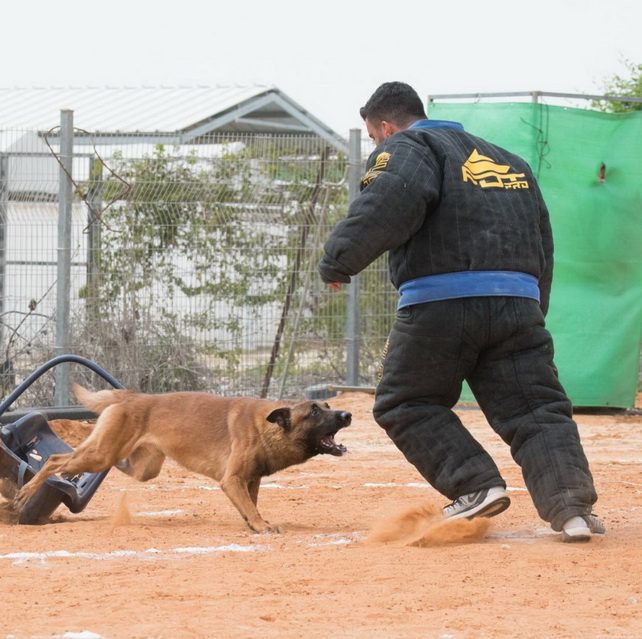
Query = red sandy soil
x=358 y=556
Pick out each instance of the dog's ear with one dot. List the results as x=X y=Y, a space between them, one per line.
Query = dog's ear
x=281 y=416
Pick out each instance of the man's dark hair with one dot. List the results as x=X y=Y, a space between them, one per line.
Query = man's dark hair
x=395 y=102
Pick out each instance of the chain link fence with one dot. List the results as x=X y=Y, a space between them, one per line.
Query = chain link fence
x=190 y=267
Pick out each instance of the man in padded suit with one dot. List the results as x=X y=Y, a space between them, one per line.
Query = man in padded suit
x=471 y=253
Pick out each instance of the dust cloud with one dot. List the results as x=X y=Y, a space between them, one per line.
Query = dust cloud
x=122 y=516
x=424 y=526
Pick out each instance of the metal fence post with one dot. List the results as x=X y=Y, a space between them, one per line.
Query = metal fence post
x=94 y=204
x=352 y=316
x=61 y=393
x=4 y=196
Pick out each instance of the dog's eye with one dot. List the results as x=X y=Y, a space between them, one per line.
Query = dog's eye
x=314 y=411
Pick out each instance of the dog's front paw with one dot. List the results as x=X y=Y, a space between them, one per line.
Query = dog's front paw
x=273 y=529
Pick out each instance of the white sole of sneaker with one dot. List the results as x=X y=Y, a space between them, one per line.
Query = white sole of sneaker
x=490 y=510
x=579 y=534
x=495 y=507
x=582 y=528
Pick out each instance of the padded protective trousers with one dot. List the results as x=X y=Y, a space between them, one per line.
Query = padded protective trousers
x=501 y=347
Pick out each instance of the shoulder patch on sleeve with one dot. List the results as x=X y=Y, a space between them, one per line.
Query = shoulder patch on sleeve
x=379 y=165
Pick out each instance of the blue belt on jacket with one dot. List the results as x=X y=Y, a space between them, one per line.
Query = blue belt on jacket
x=449 y=286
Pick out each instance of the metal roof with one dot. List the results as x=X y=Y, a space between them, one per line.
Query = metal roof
x=178 y=114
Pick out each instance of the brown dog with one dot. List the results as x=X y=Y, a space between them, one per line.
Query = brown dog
x=235 y=441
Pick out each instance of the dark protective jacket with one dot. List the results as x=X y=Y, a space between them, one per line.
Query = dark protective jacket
x=441 y=200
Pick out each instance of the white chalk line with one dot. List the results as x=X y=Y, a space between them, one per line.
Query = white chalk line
x=421 y=485
x=333 y=539
x=153 y=553
x=317 y=541
x=395 y=485
x=84 y=634
x=209 y=487
x=522 y=535
x=278 y=486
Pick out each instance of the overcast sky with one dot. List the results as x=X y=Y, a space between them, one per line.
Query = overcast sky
x=327 y=56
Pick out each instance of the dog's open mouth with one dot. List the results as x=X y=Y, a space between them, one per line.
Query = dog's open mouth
x=327 y=445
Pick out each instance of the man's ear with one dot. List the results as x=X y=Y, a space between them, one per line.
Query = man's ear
x=281 y=416
x=388 y=128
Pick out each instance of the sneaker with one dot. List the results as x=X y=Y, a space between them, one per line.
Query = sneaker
x=582 y=528
x=483 y=503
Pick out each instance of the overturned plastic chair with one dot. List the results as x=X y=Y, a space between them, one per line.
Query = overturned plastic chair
x=27 y=443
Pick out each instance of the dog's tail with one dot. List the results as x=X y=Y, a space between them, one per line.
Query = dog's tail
x=98 y=401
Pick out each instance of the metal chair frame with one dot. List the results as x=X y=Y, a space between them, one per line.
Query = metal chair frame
x=27 y=443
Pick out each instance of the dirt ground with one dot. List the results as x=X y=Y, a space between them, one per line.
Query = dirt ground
x=173 y=558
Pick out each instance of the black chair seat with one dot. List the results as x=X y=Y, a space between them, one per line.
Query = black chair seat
x=25 y=446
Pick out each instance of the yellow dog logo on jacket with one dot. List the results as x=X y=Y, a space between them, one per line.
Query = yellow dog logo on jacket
x=380 y=164
x=483 y=171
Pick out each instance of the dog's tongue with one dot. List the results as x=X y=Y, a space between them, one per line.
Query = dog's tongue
x=331 y=447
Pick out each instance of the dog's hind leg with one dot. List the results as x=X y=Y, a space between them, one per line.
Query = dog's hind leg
x=107 y=443
x=144 y=463
x=82 y=460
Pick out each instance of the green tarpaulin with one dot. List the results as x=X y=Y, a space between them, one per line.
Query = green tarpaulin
x=589 y=166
